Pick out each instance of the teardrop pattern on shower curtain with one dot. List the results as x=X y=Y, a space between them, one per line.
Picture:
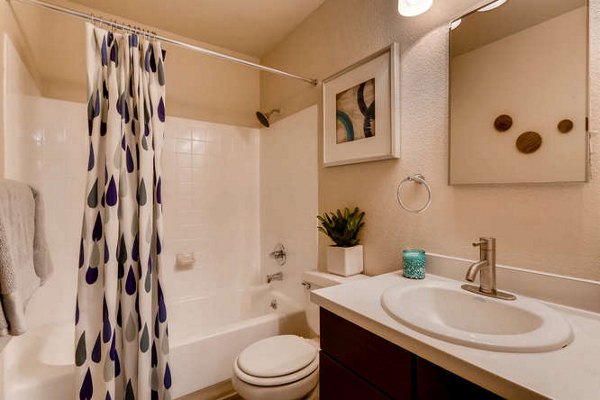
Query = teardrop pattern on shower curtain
x=80 y=351
x=81 y=254
x=96 y=350
x=111 y=194
x=106 y=328
x=87 y=387
x=76 y=311
x=122 y=344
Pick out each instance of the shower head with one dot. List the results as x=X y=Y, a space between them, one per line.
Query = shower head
x=263 y=118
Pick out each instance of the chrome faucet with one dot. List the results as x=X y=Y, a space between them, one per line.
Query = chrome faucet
x=278 y=276
x=486 y=266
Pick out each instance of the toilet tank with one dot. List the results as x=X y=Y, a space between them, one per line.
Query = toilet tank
x=317 y=280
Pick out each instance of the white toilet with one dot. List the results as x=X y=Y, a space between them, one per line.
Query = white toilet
x=285 y=367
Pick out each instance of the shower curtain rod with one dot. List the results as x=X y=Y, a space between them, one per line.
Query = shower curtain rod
x=201 y=50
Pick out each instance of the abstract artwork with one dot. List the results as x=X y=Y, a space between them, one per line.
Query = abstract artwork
x=355 y=112
x=361 y=113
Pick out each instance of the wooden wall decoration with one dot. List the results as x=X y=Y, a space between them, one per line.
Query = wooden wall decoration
x=503 y=123
x=565 y=126
x=529 y=142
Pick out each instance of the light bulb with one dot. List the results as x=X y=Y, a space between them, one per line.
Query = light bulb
x=454 y=24
x=491 y=6
x=411 y=8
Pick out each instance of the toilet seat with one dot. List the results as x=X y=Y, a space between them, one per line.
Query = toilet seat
x=277 y=360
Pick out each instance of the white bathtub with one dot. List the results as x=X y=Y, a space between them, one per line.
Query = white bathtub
x=206 y=334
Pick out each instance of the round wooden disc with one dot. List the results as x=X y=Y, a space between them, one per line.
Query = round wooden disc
x=529 y=142
x=565 y=126
x=503 y=123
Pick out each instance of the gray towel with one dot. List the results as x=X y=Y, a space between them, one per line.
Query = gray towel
x=24 y=255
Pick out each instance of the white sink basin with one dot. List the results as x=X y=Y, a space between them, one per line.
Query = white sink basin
x=445 y=311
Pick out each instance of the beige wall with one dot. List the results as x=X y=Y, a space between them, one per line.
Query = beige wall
x=199 y=87
x=551 y=227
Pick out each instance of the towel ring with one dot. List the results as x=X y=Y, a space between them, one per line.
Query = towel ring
x=419 y=179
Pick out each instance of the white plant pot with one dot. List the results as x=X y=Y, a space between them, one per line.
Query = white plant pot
x=345 y=261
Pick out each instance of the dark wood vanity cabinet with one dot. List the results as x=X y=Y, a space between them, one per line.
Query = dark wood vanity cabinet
x=357 y=364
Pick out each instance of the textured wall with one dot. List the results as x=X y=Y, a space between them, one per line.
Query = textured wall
x=551 y=227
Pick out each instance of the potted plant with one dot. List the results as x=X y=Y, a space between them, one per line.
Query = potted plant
x=345 y=257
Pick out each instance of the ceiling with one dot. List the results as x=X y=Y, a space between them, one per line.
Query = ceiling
x=480 y=28
x=251 y=27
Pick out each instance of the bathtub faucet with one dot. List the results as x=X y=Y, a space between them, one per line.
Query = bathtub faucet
x=275 y=277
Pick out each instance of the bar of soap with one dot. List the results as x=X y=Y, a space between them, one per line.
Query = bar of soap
x=184 y=260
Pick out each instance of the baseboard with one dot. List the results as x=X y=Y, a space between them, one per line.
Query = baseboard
x=220 y=391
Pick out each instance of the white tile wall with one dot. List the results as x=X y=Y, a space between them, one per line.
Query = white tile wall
x=49 y=151
x=211 y=199
x=289 y=197
x=211 y=206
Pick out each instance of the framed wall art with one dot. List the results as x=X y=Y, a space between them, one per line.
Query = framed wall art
x=361 y=117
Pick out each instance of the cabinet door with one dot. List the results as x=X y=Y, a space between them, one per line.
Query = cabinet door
x=382 y=363
x=337 y=382
x=434 y=382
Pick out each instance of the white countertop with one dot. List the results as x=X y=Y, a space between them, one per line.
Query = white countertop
x=571 y=373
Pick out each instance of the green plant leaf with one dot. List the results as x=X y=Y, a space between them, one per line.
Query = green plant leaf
x=342 y=227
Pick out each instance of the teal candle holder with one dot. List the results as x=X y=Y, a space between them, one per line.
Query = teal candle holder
x=413 y=261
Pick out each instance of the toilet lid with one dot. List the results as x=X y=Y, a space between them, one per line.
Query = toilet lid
x=305 y=373
x=276 y=356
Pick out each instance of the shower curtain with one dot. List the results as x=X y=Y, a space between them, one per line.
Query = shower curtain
x=121 y=342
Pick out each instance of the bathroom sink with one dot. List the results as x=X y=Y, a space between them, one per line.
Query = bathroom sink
x=445 y=311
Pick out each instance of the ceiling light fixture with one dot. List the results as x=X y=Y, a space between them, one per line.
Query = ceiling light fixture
x=491 y=6
x=412 y=8
x=454 y=24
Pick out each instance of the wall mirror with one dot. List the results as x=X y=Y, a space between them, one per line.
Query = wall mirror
x=519 y=93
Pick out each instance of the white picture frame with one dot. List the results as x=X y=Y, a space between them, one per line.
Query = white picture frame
x=381 y=71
